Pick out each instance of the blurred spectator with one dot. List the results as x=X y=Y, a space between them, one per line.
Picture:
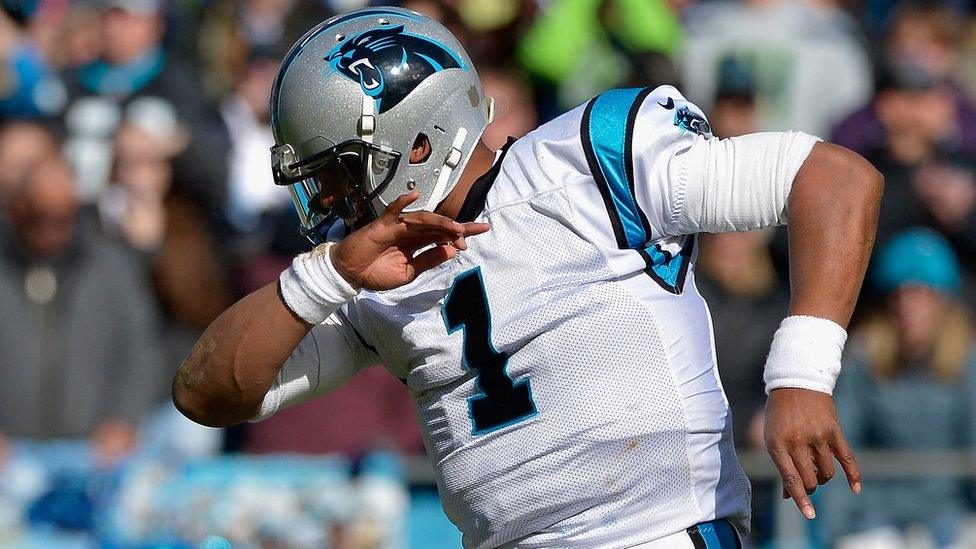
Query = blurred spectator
x=911 y=120
x=132 y=207
x=577 y=49
x=928 y=36
x=515 y=113
x=251 y=189
x=133 y=64
x=809 y=63
x=946 y=190
x=29 y=86
x=494 y=27
x=144 y=209
x=79 y=350
x=230 y=29
x=734 y=111
x=909 y=383
x=22 y=146
x=920 y=58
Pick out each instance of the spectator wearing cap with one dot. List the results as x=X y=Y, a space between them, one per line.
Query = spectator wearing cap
x=79 y=353
x=909 y=383
x=734 y=110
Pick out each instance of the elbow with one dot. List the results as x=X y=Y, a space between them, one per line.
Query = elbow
x=202 y=413
x=871 y=180
x=205 y=407
x=868 y=184
x=843 y=178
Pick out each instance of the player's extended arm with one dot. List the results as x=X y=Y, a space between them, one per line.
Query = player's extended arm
x=833 y=214
x=237 y=359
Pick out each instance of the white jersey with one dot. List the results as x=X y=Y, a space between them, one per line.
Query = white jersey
x=562 y=366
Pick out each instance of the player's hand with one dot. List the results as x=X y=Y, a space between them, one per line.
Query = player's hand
x=380 y=256
x=803 y=437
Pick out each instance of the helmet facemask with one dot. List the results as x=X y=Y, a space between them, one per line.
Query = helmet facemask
x=338 y=182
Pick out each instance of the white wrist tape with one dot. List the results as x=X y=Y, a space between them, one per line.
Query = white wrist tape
x=312 y=288
x=805 y=354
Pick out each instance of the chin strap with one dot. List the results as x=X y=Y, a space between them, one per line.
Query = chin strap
x=366 y=128
x=450 y=164
x=367 y=122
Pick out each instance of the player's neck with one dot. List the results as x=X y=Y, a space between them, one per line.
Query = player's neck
x=480 y=162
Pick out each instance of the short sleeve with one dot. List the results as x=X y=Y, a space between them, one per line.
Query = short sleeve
x=630 y=137
x=662 y=174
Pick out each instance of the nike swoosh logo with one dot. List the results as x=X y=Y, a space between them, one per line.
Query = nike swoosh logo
x=669 y=105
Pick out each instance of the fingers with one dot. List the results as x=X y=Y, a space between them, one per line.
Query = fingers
x=842 y=451
x=393 y=211
x=824 y=461
x=803 y=461
x=432 y=258
x=429 y=220
x=433 y=228
x=793 y=482
x=473 y=229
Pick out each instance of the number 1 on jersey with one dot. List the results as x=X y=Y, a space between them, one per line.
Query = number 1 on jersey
x=502 y=401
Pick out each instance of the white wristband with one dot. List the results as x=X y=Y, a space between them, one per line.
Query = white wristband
x=805 y=354
x=312 y=288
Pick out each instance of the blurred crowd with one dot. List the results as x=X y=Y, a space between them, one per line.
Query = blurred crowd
x=137 y=203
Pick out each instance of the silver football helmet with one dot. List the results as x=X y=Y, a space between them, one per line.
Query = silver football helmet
x=351 y=99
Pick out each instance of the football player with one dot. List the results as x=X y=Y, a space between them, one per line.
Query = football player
x=539 y=301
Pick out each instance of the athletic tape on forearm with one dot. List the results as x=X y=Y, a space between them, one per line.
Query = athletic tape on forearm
x=805 y=354
x=312 y=288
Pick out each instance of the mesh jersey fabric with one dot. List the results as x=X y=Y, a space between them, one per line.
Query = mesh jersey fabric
x=591 y=303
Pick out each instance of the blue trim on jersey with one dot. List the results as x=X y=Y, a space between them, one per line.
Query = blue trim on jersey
x=669 y=272
x=607 y=136
x=524 y=380
x=607 y=132
x=718 y=534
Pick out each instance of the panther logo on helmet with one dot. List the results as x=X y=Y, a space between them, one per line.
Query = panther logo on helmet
x=689 y=120
x=389 y=64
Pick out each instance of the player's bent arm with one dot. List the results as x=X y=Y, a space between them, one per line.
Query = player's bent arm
x=828 y=194
x=224 y=379
x=830 y=197
x=237 y=359
x=833 y=215
x=235 y=373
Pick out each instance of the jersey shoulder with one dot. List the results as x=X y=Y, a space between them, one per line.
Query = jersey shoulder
x=582 y=142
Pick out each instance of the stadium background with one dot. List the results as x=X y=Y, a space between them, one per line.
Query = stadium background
x=136 y=203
